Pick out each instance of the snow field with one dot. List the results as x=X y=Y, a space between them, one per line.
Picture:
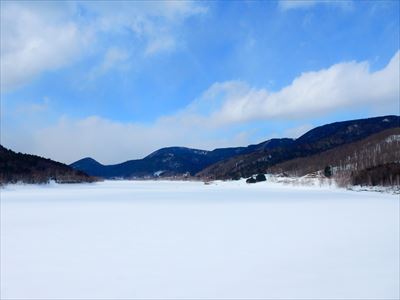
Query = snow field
x=164 y=239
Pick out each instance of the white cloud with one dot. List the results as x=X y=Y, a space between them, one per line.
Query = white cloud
x=44 y=36
x=112 y=142
x=154 y=23
x=32 y=43
x=346 y=85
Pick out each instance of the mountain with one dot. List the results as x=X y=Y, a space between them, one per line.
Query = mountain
x=89 y=166
x=26 y=168
x=314 y=141
x=374 y=160
x=170 y=161
x=236 y=162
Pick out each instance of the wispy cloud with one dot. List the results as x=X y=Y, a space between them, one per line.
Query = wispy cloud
x=45 y=36
x=114 y=58
x=32 y=42
x=305 y=4
x=297 y=131
x=34 y=108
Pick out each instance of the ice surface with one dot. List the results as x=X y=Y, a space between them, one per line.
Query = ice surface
x=143 y=239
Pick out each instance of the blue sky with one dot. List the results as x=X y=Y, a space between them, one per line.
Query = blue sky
x=118 y=80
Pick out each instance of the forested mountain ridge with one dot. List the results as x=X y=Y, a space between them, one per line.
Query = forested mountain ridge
x=26 y=168
x=315 y=141
x=374 y=160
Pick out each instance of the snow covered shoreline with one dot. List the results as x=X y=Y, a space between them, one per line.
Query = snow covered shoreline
x=164 y=239
x=305 y=181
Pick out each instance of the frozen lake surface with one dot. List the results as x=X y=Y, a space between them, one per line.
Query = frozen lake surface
x=143 y=239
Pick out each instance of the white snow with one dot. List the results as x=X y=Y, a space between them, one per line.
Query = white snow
x=158 y=173
x=146 y=239
x=393 y=138
x=200 y=152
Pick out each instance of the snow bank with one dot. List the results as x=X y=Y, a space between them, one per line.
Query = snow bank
x=144 y=239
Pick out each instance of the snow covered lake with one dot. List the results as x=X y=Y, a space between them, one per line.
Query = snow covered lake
x=143 y=239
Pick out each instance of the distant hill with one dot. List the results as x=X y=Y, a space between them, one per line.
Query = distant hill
x=236 y=162
x=26 y=168
x=171 y=161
